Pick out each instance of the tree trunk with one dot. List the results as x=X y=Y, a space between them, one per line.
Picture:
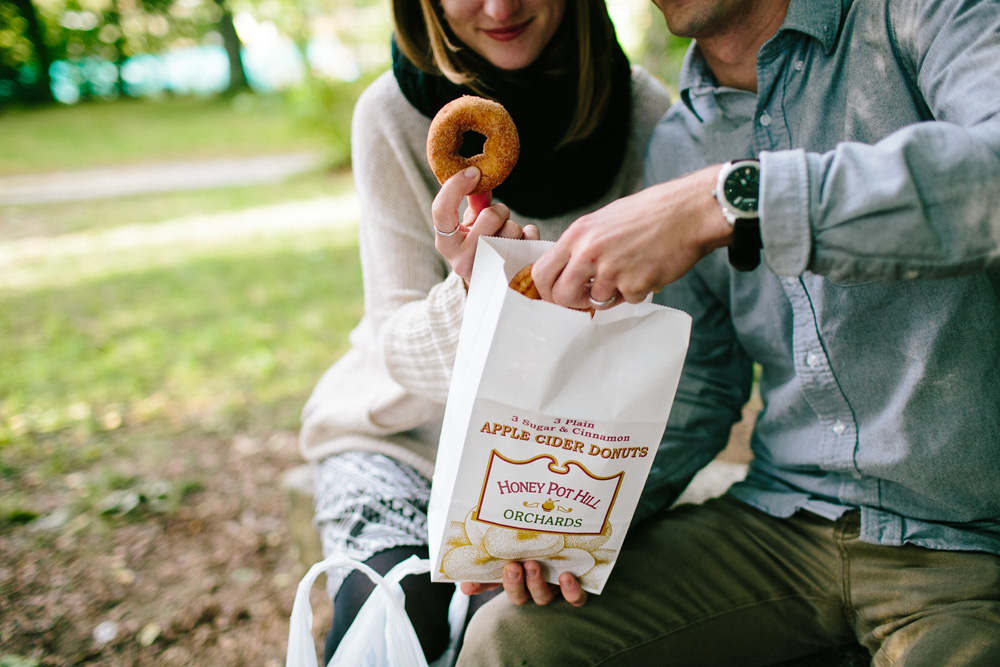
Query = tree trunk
x=36 y=35
x=237 y=75
x=114 y=17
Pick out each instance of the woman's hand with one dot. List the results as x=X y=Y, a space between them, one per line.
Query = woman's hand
x=523 y=583
x=456 y=240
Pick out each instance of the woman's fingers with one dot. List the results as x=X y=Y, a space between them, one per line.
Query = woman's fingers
x=541 y=591
x=478 y=202
x=525 y=582
x=492 y=221
x=457 y=239
x=472 y=588
x=513 y=584
x=571 y=590
x=444 y=209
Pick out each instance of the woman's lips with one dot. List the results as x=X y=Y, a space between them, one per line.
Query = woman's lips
x=507 y=33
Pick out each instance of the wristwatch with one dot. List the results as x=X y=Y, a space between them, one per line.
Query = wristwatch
x=738 y=191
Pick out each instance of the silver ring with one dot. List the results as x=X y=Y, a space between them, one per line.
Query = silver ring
x=600 y=304
x=451 y=233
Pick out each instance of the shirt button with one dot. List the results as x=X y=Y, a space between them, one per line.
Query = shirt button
x=839 y=427
x=812 y=359
x=765 y=120
x=799 y=65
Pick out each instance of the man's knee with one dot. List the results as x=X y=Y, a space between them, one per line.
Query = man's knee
x=485 y=632
x=968 y=635
x=503 y=634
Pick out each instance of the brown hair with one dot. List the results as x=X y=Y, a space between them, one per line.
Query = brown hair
x=422 y=35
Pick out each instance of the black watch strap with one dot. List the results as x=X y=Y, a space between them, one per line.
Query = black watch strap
x=744 y=251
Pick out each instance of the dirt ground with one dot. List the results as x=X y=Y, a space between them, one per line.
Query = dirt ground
x=210 y=582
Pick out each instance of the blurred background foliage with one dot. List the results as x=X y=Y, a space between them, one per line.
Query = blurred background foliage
x=119 y=326
x=317 y=54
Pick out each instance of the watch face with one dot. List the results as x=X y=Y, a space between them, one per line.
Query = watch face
x=742 y=188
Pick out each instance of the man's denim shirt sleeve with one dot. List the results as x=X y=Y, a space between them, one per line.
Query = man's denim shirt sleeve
x=787 y=235
x=919 y=202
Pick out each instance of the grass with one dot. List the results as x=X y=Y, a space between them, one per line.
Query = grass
x=221 y=339
x=125 y=322
x=101 y=134
x=108 y=353
x=22 y=221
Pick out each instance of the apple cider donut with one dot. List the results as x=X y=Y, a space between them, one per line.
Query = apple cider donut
x=523 y=283
x=473 y=114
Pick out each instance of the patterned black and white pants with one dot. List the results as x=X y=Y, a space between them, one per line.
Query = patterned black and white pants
x=366 y=503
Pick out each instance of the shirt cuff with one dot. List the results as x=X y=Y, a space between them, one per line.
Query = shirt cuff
x=784 y=211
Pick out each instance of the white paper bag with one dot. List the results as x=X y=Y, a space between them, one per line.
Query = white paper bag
x=552 y=422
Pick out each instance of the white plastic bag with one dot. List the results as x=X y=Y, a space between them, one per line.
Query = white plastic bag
x=381 y=634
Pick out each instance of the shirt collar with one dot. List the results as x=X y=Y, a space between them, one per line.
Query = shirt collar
x=819 y=19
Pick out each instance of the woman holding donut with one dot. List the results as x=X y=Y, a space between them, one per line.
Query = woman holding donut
x=583 y=116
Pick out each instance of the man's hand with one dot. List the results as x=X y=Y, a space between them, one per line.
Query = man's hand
x=523 y=583
x=481 y=219
x=635 y=245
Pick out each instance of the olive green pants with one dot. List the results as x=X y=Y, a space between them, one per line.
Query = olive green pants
x=724 y=584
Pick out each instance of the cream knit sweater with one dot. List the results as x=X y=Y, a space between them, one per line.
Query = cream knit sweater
x=387 y=393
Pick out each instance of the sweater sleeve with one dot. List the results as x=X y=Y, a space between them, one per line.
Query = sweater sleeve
x=412 y=300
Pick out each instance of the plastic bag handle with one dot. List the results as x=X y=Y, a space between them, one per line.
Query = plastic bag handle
x=301 y=646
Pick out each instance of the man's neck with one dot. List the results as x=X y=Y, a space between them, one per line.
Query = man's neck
x=732 y=53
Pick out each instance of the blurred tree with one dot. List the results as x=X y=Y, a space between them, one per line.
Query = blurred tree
x=80 y=47
x=40 y=90
x=112 y=33
x=234 y=50
x=354 y=38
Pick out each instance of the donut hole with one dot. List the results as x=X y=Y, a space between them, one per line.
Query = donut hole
x=472 y=144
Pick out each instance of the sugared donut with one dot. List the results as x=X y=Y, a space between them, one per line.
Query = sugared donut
x=523 y=282
x=473 y=114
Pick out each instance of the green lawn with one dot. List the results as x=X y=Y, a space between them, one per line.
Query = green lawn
x=125 y=321
x=21 y=221
x=228 y=337
x=122 y=132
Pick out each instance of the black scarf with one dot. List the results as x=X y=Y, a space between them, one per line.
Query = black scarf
x=547 y=180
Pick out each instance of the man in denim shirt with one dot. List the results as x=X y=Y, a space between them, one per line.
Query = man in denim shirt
x=871 y=512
